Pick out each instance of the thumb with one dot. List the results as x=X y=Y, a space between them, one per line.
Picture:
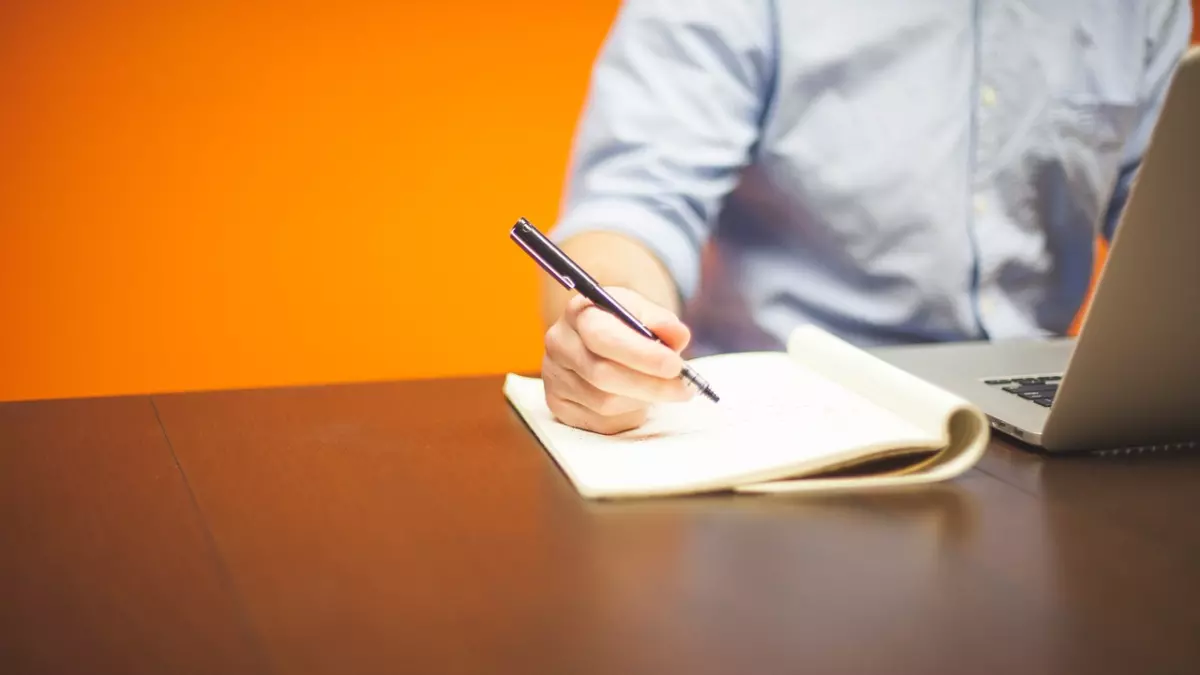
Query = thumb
x=660 y=320
x=672 y=331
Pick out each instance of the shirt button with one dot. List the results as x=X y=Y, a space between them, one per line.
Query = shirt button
x=987 y=305
x=980 y=205
x=988 y=96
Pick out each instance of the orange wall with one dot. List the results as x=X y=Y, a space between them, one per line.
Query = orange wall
x=213 y=193
x=201 y=194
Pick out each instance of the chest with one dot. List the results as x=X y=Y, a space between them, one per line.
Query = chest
x=870 y=91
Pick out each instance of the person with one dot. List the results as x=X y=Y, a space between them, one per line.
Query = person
x=892 y=172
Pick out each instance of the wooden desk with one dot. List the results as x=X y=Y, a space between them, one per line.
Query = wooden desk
x=417 y=527
x=106 y=565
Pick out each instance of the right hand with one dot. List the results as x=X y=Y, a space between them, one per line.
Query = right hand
x=601 y=375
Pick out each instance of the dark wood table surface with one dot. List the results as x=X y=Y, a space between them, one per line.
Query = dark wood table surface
x=417 y=527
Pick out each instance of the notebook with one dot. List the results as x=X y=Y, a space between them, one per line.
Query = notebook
x=822 y=416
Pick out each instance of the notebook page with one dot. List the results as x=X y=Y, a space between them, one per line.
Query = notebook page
x=775 y=418
x=964 y=426
x=908 y=396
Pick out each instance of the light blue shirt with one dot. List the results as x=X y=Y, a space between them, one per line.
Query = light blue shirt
x=890 y=170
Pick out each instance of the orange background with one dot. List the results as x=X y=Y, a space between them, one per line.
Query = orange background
x=211 y=194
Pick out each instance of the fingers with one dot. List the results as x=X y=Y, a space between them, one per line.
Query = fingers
x=570 y=350
x=569 y=386
x=576 y=415
x=602 y=375
x=659 y=319
x=672 y=331
x=608 y=337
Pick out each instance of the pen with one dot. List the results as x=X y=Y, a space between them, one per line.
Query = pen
x=570 y=275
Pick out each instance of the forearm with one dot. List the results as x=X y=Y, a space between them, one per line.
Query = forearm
x=613 y=260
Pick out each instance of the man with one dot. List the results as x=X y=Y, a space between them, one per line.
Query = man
x=928 y=170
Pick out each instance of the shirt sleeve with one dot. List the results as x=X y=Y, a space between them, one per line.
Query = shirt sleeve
x=1172 y=31
x=673 y=114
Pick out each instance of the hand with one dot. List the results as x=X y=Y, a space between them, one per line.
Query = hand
x=601 y=375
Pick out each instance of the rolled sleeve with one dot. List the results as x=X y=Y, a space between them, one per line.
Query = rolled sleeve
x=673 y=114
x=669 y=240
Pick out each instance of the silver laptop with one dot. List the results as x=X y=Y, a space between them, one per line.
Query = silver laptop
x=1132 y=378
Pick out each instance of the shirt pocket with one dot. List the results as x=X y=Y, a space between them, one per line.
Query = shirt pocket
x=1091 y=112
x=1096 y=98
x=1080 y=159
x=1091 y=126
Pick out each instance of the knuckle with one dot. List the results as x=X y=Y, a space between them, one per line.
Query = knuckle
x=568 y=414
x=575 y=306
x=559 y=349
x=592 y=328
x=612 y=343
x=610 y=405
x=586 y=324
x=589 y=421
x=558 y=407
x=600 y=373
x=598 y=326
x=603 y=343
x=551 y=342
x=551 y=376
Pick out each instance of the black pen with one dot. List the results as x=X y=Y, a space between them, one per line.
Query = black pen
x=572 y=276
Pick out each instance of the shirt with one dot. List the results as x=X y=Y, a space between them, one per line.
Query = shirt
x=893 y=172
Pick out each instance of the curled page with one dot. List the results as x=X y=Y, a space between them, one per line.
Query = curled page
x=962 y=427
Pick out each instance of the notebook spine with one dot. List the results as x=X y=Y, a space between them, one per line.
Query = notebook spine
x=1163 y=448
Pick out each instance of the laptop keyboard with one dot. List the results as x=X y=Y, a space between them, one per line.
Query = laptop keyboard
x=1038 y=389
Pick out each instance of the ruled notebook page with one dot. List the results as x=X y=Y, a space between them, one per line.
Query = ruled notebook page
x=774 y=415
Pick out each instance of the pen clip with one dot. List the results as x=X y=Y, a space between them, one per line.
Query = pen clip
x=562 y=278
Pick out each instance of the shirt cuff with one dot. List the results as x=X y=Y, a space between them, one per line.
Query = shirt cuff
x=669 y=241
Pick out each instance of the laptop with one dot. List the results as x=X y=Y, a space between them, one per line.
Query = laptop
x=1131 y=380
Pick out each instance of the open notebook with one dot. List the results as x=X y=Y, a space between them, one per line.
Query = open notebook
x=823 y=416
